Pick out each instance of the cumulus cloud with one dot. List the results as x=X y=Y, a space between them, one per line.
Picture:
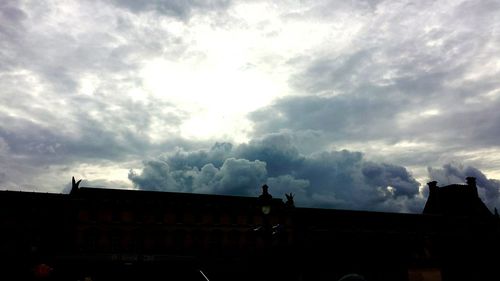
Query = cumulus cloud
x=340 y=179
x=235 y=176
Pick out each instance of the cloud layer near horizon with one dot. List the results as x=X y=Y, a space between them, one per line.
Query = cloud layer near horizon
x=340 y=179
x=329 y=179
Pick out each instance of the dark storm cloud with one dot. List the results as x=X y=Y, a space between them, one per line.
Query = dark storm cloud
x=345 y=117
x=277 y=150
x=488 y=189
x=340 y=179
x=233 y=177
x=216 y=156
x=175 y=8
x=471 y=126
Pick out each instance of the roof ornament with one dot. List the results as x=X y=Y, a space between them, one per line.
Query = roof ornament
x=289 y=200
x=265 y=193
x=74 y=185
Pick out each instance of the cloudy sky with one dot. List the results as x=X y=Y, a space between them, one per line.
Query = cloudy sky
x=347 y=104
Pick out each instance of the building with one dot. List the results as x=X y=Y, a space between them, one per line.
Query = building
x=455 y=199
x=106 y=234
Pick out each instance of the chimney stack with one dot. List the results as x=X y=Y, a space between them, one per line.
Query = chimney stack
x=432 y=187
x=471 y=185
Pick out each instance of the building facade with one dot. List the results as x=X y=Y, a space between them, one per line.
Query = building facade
x=106 y=234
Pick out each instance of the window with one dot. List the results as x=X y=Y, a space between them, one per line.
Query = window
x=198 y=216
x=137 y=240
x=233 y=239
x=233 y=219
x=179 y=237
x=116 y=241
x=83 y=215
x=215 y=239
x=216 y=217
x=90 y=236
x=116 y=215
x=198 y=240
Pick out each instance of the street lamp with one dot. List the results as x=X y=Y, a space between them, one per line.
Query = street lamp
x=269 y=233
x=265 y=200
x=265 y=207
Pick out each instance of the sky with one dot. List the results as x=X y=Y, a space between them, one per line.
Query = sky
x=347 y=104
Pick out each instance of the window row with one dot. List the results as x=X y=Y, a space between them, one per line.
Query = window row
x=170 y=241
x=109 y=216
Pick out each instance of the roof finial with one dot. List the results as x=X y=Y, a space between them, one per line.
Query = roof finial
x=265 y=194
x=74 y=185
x=289 y=200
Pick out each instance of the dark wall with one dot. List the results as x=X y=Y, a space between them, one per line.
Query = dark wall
x=131 y=235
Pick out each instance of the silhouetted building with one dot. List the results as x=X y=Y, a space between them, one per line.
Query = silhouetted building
x=107 y=234
x=455 y=199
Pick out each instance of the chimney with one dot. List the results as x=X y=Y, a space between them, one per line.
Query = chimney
x=433 y=188
x=432 y=205
x=471 y=185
